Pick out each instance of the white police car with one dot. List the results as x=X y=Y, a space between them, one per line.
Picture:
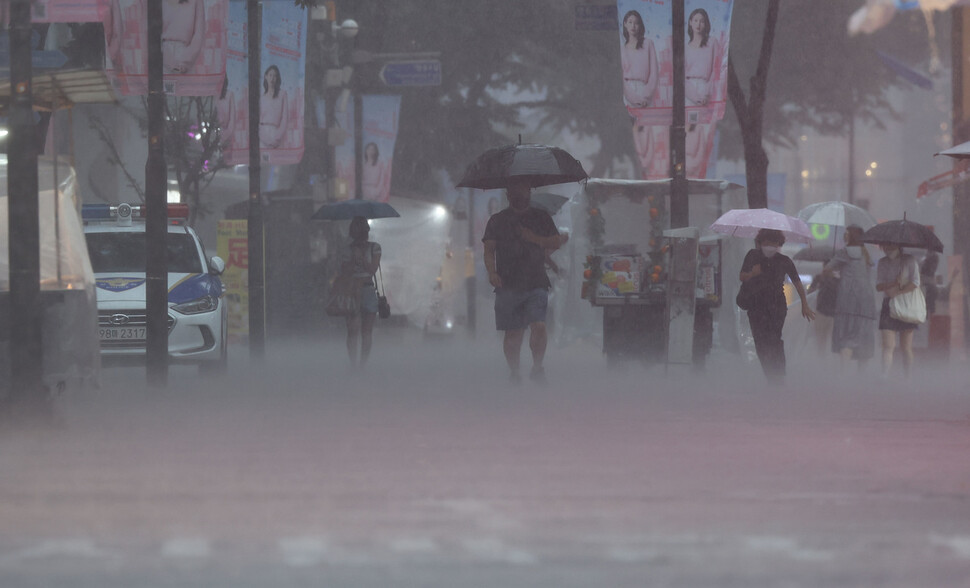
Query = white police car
x=197 y=311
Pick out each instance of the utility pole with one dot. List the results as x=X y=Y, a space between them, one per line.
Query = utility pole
x=156 y=221
x=470 y=281
x=679 y=209
x=27 y=390
x=257 y=311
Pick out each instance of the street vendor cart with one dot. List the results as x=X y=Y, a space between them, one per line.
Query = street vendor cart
x=622 y=230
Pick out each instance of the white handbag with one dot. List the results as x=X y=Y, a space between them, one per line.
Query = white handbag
x=909 y=307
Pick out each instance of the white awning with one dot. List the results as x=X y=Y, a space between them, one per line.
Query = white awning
x=63 y=89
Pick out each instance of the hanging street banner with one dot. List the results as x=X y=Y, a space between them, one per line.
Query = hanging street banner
x=959 y=174
x=193 y=46
x=380 y=119
x=60 y=11
x=232 y=102
x=283 y=60
x=281 y=111
x=345 y=186
x=646 y=57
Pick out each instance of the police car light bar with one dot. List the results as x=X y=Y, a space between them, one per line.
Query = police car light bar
x=123 y=213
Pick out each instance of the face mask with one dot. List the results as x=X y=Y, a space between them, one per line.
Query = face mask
x=769 y=250
x=892 y=254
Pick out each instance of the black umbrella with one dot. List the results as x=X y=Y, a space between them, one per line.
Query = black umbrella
x=541 y=165
x=903 y=233
x=348 y=209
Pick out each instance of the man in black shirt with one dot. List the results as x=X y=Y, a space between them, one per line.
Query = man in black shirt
x=516 y=240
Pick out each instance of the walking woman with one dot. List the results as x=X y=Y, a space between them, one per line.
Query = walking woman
x=361 y=260
x=765 y=267
x=896 y=273
x=854 y=328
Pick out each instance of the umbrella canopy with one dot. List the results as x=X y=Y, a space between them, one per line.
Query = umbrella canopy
x=837 y=214
x=961 y=151
x=821 y=253
x=541 y=165
x=548 y=201
x=348 y=209
x=745 y=222
x=903 y=233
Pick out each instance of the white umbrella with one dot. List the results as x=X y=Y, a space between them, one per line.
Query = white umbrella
x=877 y=13
x=746 y=222
x=961 y=151
x=836 y=214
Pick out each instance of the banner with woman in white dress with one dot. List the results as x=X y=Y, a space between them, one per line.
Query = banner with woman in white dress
x=646 y=57
x=380 y=120
x=281 y=109
x=193 y=46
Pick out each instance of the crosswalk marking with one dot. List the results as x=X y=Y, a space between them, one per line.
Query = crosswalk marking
x=186 y=547
x=85 y=548
x=303 y=551
x=960 y=546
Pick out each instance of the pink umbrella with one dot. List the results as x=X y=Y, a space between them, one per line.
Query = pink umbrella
x=746 y=222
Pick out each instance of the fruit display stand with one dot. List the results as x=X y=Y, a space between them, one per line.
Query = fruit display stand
x=625 y=271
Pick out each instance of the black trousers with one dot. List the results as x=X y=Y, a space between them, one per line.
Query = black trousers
x=767 y=323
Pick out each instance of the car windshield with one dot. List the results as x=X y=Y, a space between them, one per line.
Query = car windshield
x=125 y=252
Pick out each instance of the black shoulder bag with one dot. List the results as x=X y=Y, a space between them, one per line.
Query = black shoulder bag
x=383 y=307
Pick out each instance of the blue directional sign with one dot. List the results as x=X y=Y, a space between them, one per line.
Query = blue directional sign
x=411 y=73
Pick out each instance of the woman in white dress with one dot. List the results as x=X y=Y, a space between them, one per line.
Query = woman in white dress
x=639 y=61
x=273 y=110
x=699 y=59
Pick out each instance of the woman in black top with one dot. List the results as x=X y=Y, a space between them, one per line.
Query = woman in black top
x=766 y=268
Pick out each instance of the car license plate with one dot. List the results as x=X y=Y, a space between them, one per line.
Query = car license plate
x=122 y=333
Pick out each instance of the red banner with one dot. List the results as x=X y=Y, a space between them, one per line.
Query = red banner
x=959 y=174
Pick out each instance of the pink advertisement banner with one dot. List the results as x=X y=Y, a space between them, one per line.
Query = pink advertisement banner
x=232 y=102
x=193 y=46
x=646 y=57
x=283 y=61
x=281 y=104
x=380 y=120
x=345 y=186
x=61 y=10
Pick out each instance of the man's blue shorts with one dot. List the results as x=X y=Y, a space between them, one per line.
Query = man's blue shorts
x=517 y=309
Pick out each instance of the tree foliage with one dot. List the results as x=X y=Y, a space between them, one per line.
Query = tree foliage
x=192 y=148
x=510 y=65
x=506 y=67
x=820 y=77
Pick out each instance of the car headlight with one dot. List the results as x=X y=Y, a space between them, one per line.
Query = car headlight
x=199 y=305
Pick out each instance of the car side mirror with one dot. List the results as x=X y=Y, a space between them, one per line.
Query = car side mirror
x=216 y=265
